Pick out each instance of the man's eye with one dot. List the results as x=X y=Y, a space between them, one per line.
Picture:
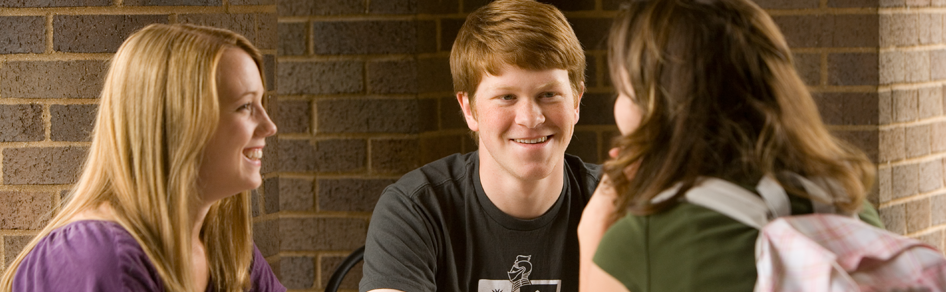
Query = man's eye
x=508 y=97
x=549 y=94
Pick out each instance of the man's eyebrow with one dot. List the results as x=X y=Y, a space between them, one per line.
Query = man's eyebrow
x=548 y=85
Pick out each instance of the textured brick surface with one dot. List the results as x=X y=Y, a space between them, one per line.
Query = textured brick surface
x=244 y=24
x=252 y=2
x=596 y=109
x=25 y=210
x=53 y=3
x=911 y=66
x=393 y=7
x=268 y=34
x=584 y=144
x=22 y=34
x=905 y=105
x=52 y=79
x=866 y=140
x=302 y=234
x=449 y=28
x=917 y=140
x=21 y=123
x=931 y=176
x=855 y=30
x=294 y=116
x=471 y=5
x=938 y=137
x=364 y=37
x=331 y=263
x=934 y=239
x=938 y=65
x=426 y=36
x=320 y=77
x=321 y=7
x=297 y=272
x=334 y=155
x=42 y=166
x=395 y=156
x=591 y=72
x=292 y=38
x=847 y=69
x=898 y=29
x=173 y=3
x=433 y=75
x=884 y=185
x=847 y=108
x=809 y=68
x=885 y=110
x=375 y=116
x=938 y=210
x=72 y=122
x=266 y=237
x=433 y=148
x=451 y=116
x=787 y=4
x=891 y=145
x=591 y=32
x=905 y=180
x=350 y=195
x=97 y=33
x=269 y=73
x=918 y=215
x=847 y=30
x=853 y=3
x=289 y=194
x=929 y=102
x=572 y=5
x=894 y=218
x=392 y=76
x=12 y=245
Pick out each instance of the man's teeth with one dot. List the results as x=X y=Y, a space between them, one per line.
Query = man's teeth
x=253 y=154
x=531 y=141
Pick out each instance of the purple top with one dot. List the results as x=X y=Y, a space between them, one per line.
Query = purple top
x=94 y=255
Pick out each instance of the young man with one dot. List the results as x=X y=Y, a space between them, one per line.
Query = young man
x=502 y=218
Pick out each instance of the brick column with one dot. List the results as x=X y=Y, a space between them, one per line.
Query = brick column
x=53 y=58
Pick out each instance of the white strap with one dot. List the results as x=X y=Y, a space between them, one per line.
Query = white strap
x=775 y=197
x=731 y=200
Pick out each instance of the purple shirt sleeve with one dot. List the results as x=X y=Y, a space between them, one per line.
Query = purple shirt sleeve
x=87 y=256
x=261 y=275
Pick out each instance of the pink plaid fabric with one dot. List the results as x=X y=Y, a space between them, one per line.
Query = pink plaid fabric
x=825 y=252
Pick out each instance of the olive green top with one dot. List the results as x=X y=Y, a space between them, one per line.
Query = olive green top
x=688 y=248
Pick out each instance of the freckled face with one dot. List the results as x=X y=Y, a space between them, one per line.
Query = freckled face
x=232 y=159
x=524 y=120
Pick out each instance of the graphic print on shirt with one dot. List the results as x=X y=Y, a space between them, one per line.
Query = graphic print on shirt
x=519 y=280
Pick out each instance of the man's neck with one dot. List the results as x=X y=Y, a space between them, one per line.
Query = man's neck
x=520 y=198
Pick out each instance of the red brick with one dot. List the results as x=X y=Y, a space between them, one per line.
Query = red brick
x=433 y=75
x=905 y=105
x=394 y=156
x=52 y=79
x=917 y=141
x=331 y=77
x=243 y=24
x=918 y=215
x=331 y=263
x=364 y=37
x=173 y=3
x=929 y=102
x=898 y=29
x=25 y=210
x=931 y=176
x=12 y=245
x=894 y=218
x=809 y=68
x=42 y=166
x=392 y=76
x=851 y=69
x=451 y=116
x=297 y=272
x=436 y=147
x=375 y=116
x=321 y=7
x=350 y=195
x=21 y=123
x=892 y=145
x=867 y=141
x=293 y=38
x=294 y=116
x=591 y=32
x=72 y=122
x=22 y=34
x=788 y=4
x=97 y=33
x=309 y=234
x=332 y=155
x=596 y=109
x=584 y=144
x=905 y=180
x=266 y=237
x=938 y=210
x=53 y=3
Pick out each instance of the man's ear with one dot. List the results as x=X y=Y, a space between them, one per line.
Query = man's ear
x=581 y=92
x=468 y=112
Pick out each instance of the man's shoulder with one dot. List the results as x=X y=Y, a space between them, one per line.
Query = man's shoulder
x=451 y=172
x=587 y=175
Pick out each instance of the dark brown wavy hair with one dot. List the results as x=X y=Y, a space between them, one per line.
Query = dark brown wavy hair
x=719 y=97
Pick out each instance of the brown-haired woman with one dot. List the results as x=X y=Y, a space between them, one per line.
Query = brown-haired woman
x=706 y=89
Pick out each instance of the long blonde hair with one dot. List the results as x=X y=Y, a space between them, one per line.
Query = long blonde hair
x=718 y=97
x=158 y=110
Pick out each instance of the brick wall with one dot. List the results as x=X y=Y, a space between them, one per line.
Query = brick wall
x=53 y=58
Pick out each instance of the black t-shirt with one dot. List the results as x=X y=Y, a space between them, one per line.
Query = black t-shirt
x=435 y=230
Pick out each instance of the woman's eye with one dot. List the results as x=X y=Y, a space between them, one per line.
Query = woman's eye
x=248 y=107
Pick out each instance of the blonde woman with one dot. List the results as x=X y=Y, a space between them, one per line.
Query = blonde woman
x=163 y=203
x=707 y=89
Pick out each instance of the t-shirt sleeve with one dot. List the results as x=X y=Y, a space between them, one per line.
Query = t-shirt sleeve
x=261 y=275
x=86 y=257
x=621 y=244
x=399 y=250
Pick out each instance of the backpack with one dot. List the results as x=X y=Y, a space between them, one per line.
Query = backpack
x=824 y=251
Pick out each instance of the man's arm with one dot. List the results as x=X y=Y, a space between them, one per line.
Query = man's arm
x=400 y=249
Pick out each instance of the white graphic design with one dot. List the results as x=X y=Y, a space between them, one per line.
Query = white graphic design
x=519 y=280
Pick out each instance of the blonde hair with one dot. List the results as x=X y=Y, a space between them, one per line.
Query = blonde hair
x=524 y=33
x=718 y=97
x=158 y=110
